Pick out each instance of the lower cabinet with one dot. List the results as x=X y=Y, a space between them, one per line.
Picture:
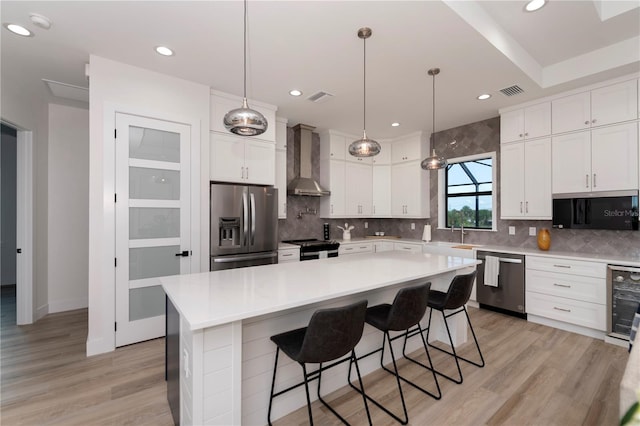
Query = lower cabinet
x=570 y=291
x=410 y=247
x=355 y=247
x=380 y=246
x=286 y=255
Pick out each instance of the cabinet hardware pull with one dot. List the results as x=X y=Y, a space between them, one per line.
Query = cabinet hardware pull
x=594 y=120
x=586 y=181
x=242 y=171
x=287 y=255
x=563 y=266
x=526 y=134
x=520 y=135
x=586 y=122
x=520 y=206
x=526 y=207
x=594 y=180
x=561 y=309
x=561 y=285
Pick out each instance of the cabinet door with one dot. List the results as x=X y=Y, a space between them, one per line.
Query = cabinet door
x=385 y=154
x=571 y=163
x=337 y=147
x=358 y=189
x=281 y=134
x=512 y=126
x=409 y=149
x=400 y=188
x=614 y=157
x=260 y=162
x=226 y=158
x=337 y=188
x=537 y=120
x=615 y=103
x=537 y=179
x=571 y=113
x=381 y=191
x=512 y=180
x=281 y=182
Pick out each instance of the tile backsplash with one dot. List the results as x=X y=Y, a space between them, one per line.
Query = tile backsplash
x=474 y=138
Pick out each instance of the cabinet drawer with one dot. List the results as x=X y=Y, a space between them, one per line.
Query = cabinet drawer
x=288 y=255
x=585 y=314
x=586 y=289
x=411 y=248
x=355 y=248
x=567 y=266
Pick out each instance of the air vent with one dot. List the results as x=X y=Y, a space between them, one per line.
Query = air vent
x=512 y=90
x=320 y=97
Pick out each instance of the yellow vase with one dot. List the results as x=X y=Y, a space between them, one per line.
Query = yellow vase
x=544 y=239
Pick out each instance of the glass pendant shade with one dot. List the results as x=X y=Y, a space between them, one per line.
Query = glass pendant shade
x=364 y=147
x=245 y=121
x=434 y=162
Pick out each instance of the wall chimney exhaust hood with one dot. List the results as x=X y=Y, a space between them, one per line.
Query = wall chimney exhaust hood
x=304 y=184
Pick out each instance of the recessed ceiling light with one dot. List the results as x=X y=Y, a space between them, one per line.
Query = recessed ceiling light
x=396 y=124
x=484 y=96
x=18 y=29
x=164 y=51
x=534 y=5
x=295 y=92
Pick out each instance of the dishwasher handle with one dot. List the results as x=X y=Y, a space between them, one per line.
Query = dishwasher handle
x=509 y=260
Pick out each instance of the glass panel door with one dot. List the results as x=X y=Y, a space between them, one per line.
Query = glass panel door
x=152 y=221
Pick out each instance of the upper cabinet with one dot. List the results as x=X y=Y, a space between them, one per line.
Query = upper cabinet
x=241 y=160
x=221 y=103
x=408 y=148
x=605 y=105
x=526 y=123
x=281 y=166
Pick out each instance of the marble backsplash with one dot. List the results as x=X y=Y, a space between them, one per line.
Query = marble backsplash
x=483 y=136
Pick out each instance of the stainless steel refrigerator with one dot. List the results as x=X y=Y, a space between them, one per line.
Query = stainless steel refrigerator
x=244 y=226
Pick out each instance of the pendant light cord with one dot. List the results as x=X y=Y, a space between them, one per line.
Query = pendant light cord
x=245 y=49
x=434 y=113
x=364 y=88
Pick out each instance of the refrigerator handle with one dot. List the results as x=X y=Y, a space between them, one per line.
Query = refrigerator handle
x=253 y=218
x=245 y=218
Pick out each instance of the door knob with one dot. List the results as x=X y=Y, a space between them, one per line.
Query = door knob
x=185 y=253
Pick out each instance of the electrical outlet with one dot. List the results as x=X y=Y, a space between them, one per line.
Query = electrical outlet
x=532 y=231
x=512 y=230
x=413 y=226
x=366 y=225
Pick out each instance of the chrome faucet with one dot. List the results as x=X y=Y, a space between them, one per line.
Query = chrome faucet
x=462 y=233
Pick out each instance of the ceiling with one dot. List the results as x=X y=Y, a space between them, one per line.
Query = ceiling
x=480 y=47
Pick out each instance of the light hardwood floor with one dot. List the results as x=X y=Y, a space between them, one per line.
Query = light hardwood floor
x=534 y=375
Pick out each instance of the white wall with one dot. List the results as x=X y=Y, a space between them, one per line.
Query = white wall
x=8 y=207
x=68 y=208
x=117 y=87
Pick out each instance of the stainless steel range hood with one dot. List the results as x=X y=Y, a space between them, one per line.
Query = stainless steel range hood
x=304 y=184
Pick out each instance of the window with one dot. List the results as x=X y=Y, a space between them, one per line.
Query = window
x=467 y=193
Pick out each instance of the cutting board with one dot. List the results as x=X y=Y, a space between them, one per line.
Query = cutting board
x=382 y=236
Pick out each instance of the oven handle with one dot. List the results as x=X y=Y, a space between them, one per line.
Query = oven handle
x=623 y=268
x=507 y=260
x=317 y=253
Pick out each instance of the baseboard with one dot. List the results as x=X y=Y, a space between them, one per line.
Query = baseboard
x=42 y=311
x=589 y=332
x=99 y=346
x=67 y=305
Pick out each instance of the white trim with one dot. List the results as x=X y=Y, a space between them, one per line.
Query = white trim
x=153 y=164
x=67 y=305
x=41 y=311
x=494 y=200
x=169 y=204
x=24 y=228
x=154 y=242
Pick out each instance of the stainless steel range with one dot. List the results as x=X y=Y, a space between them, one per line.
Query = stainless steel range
x=311 y=249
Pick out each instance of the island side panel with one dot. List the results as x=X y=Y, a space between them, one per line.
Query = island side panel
x=212 y=375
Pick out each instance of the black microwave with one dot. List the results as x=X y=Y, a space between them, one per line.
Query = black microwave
x=606 y=210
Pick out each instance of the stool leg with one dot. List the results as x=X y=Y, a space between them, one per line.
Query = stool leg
x=364 y=398
x=475 y=340
x=455 y=356
x=429 y=367
x=306 y=388
x=273 y=384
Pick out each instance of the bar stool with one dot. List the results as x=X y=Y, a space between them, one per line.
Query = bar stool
x=331 y=334
x=408 y=308
x=455 y=298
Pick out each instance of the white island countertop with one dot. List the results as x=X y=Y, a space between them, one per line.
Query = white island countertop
x=208 y=299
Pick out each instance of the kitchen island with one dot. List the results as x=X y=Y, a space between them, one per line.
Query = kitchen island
x=227 y=317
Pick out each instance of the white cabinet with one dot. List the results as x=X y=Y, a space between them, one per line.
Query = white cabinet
x=385 y=154
x=409 y=191
x=525 y=183
x=358 y=189
x=605 y=105
x=408 y=247
x=381 y=191
x=380 y=246
x=281 y=166
x=567 y=290
x=333 y=174
x=287 y=255
x=408 y=148
x=603 y=159
x=526 y=123
x=355 y=247
x=241 y=160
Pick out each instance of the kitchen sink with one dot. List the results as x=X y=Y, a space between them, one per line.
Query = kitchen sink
x=450 y=249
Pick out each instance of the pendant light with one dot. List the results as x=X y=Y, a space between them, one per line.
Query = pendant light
x=434 y=162
x=245 y=121
x=364 y=147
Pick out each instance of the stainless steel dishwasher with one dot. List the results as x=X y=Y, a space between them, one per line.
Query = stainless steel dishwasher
x=508 y=296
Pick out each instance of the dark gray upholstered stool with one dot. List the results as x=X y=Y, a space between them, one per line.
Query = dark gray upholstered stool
x=404 y=314
x=454 y=299
x=331 y=334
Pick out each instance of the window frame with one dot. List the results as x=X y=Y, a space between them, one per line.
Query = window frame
x=442 y=189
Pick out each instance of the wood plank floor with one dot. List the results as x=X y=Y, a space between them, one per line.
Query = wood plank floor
x=534 y=375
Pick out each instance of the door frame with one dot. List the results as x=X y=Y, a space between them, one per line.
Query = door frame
x=24 y=224
x=102 y=297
